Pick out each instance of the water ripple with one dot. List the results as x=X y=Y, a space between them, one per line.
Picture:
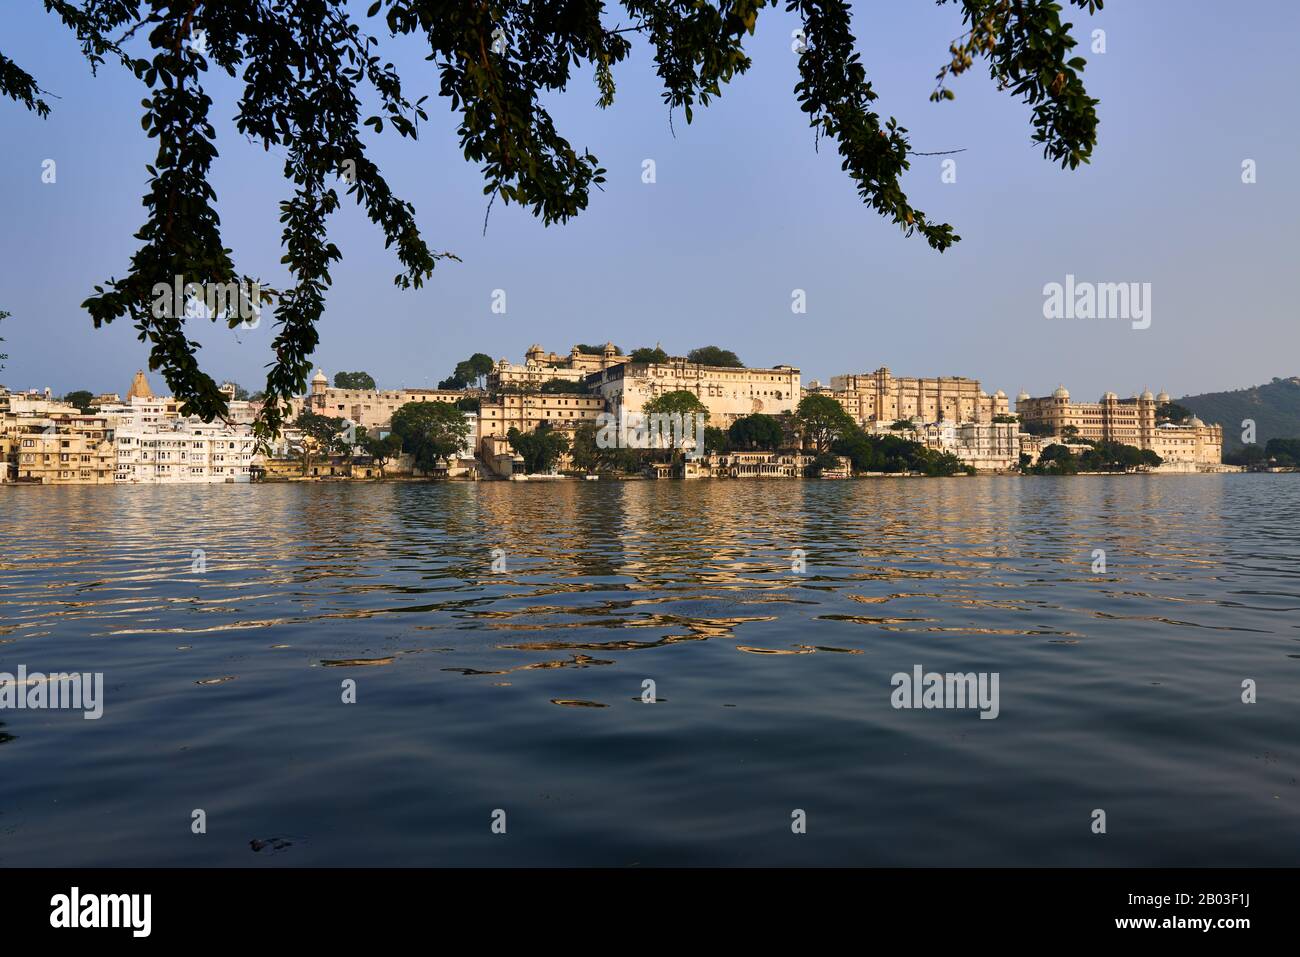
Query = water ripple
x=771 y=685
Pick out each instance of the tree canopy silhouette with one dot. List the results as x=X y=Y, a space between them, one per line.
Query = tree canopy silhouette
x=304 y=64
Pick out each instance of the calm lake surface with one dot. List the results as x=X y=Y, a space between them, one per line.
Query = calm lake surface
x=521 y=689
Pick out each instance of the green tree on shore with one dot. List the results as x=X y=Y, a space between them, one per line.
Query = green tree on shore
x=1251 y=456
x=382 y=451
x=893 y=453
x=540 y=449
x=680 y=402
x=430 y=431
x=320 y=436
x=757 y=431
x=1056 y=459
x=1094 y=457
x=717 y=440
x=823 y=420
x=1285 y=452
x=588 y=456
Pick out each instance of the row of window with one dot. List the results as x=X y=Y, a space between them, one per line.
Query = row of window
x=30 y=458
x=67 y=474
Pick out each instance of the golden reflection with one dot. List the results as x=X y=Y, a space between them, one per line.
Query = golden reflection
x=574 y=661
x=339 y=569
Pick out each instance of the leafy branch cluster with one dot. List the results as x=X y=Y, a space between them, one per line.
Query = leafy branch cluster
x=304 y=65
x=1028 y=48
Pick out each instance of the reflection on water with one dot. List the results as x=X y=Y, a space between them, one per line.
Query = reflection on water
x=523 y=689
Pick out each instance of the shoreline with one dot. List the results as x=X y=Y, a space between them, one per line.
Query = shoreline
x=552 y=479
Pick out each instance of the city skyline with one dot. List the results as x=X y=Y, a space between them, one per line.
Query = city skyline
x=382 y=385
x=720 y=244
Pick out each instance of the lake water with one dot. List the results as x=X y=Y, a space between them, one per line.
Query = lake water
x=521 y=689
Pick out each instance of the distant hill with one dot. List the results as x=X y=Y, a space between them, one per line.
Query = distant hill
x=1275 y=407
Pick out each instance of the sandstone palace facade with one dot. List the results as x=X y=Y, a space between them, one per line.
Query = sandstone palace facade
x=881 y=397
x=1129 y=421
x=728 y=393
x=540 y=366
x=372 y=408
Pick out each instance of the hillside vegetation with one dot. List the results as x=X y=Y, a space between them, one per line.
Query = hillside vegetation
x=1275 y=407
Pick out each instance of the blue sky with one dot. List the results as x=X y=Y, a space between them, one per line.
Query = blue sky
x=744 y=211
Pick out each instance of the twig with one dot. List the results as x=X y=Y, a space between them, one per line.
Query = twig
x=130 y=33
x=488 y=212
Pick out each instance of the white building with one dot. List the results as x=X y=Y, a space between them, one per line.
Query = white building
x=183 y=452
x=471 y=439
x=34 y=402
x=985 y=446
x=728 y=393
x=143 y=411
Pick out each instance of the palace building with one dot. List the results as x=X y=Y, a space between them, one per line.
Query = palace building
x=67 y=450
x=1127 y=421
x=881 y=397
x=526 y=411
x=1191 y=442
x=540 y=366
x=371 y=408
x=183 y=452
x=728 y=393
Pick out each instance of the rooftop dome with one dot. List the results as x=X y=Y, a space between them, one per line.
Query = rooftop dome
x=1195 y=422
x=139 y=387
x=1108 y=396
x=1163 y=397
x=1146 y=394
x=320 y=376
x=999 y=394
x=1061 y=392
x=1023 y=396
